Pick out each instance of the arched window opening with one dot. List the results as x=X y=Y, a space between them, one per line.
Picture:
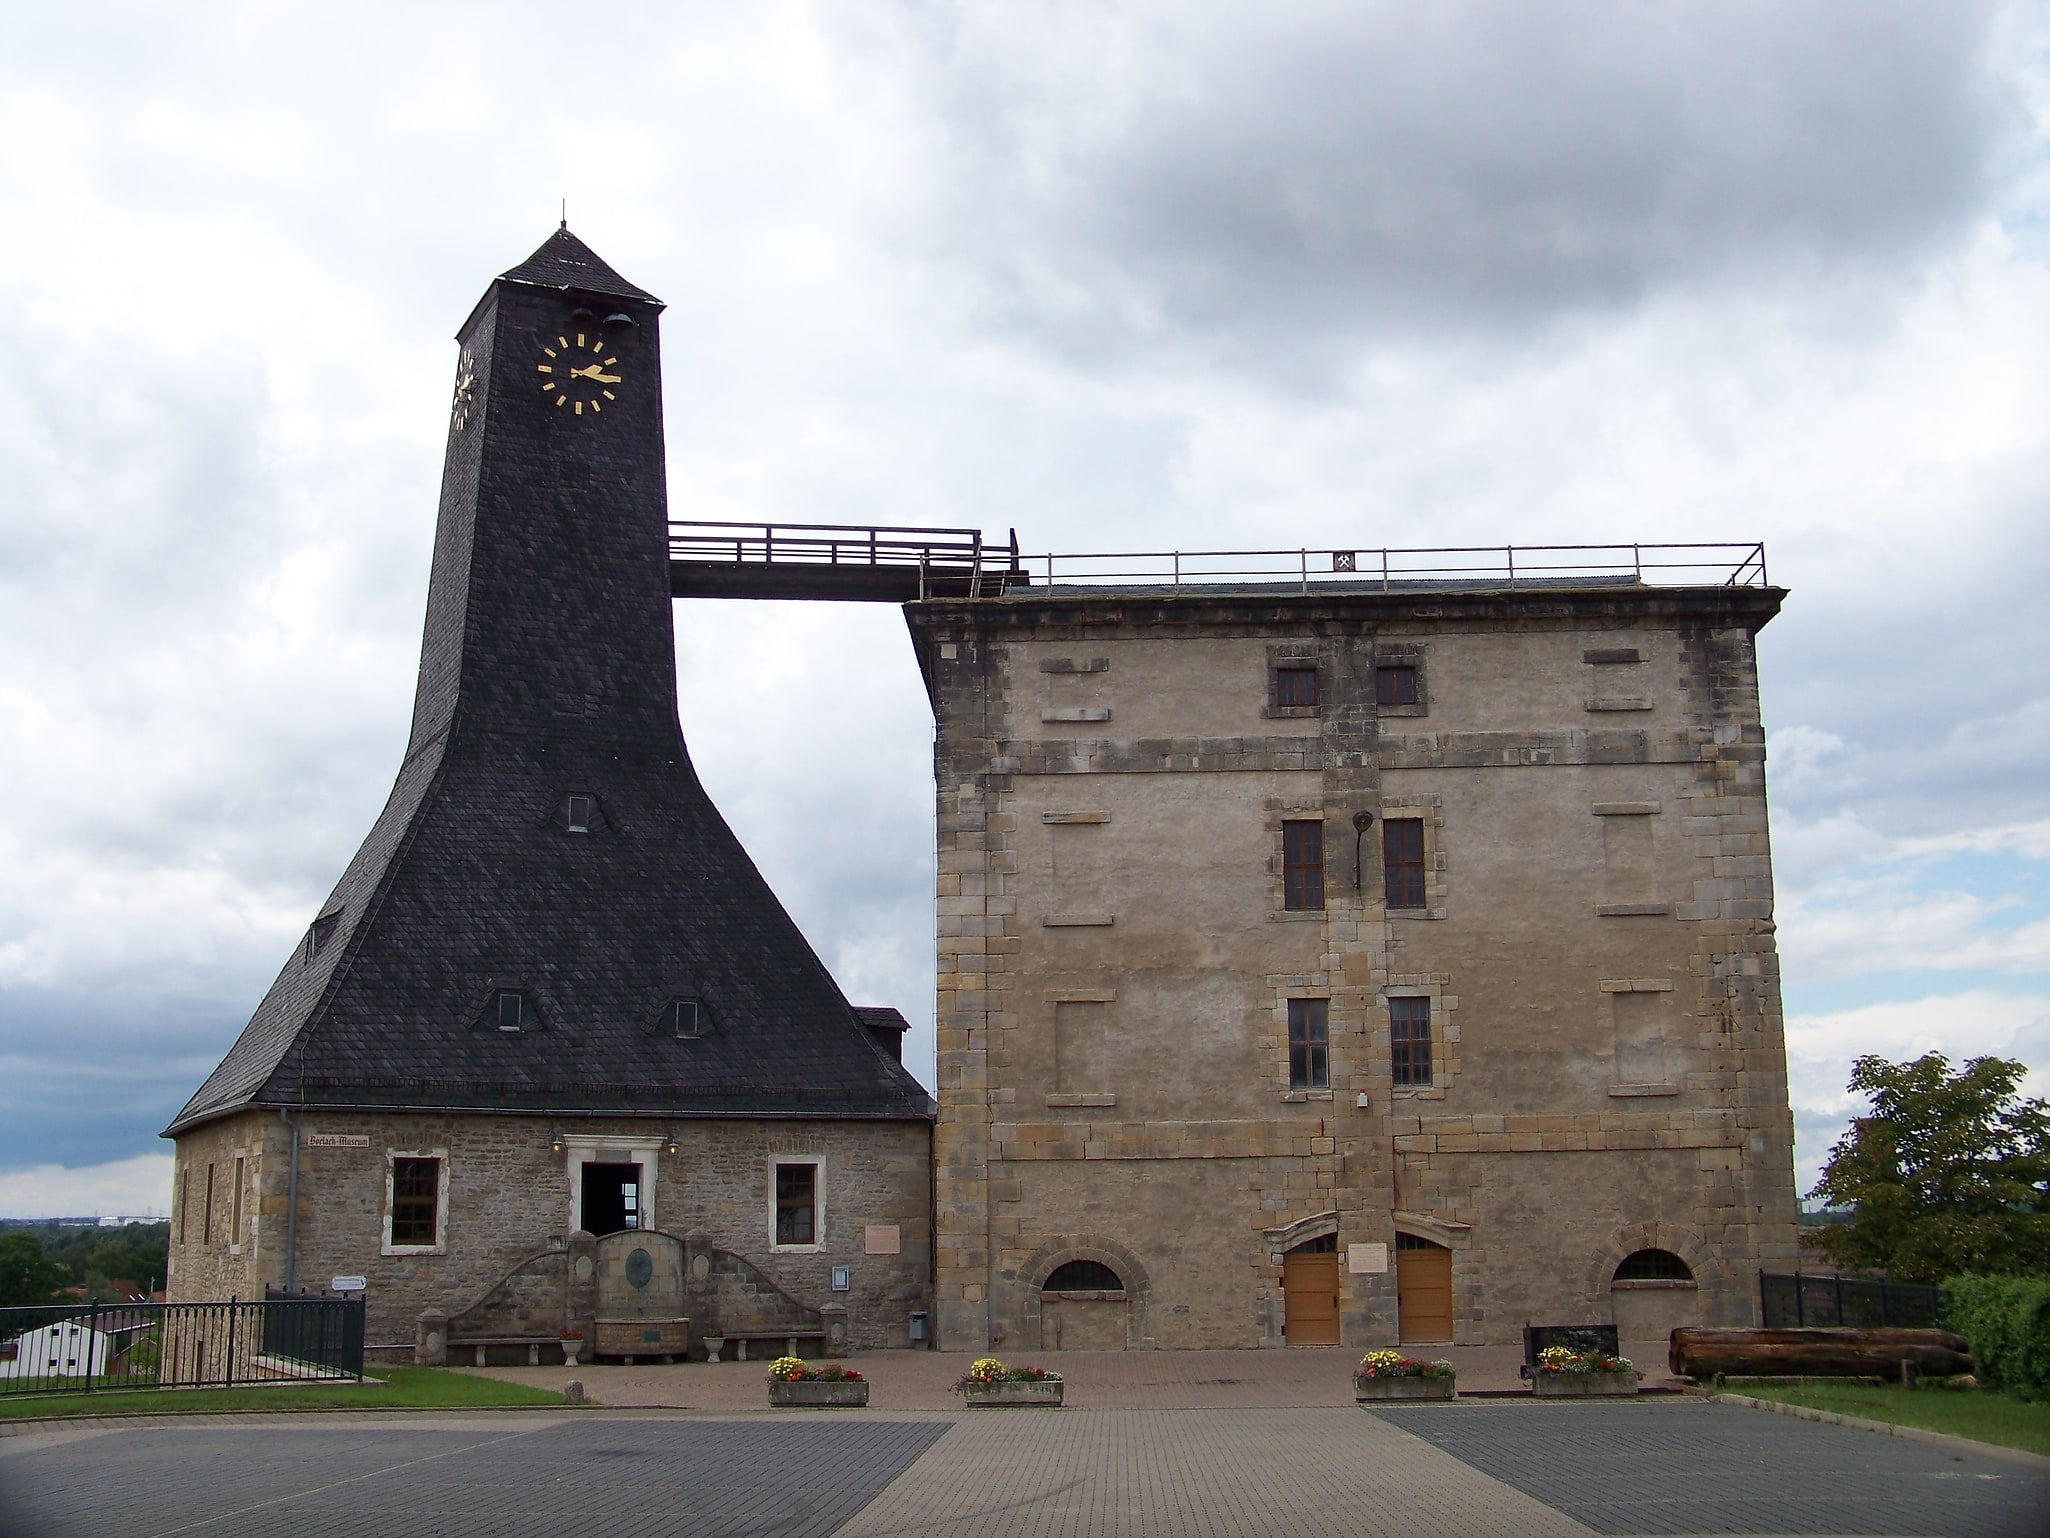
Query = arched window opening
x=1083 y=1276
x=1327 y=1245
x=1653 y=1266
x=1412 y=1242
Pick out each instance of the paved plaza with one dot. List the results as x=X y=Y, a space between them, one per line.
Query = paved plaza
x=1179 y=1464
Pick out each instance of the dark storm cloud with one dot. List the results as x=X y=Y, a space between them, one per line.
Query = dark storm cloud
x=1333 y=172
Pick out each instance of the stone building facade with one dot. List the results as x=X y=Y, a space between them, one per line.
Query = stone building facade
x=1351 y=966
x=551 y=1001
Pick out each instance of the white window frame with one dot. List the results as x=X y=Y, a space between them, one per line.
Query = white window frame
x=818 y=1203
x=391 y=1164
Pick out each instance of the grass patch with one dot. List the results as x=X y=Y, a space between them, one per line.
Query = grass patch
x=1980 y=1414
x=413 y=1388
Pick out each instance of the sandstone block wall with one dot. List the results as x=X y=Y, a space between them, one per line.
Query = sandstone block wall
x=509 y=1193
x=1116 y=957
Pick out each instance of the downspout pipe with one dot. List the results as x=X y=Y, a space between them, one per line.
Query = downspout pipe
x=291 y=1205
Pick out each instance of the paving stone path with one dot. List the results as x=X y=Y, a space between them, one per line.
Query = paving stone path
x=1469 y=1470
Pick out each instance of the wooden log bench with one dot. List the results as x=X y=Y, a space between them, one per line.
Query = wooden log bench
x=783 y=1343
x=1695 y=1352
x=481 y=1343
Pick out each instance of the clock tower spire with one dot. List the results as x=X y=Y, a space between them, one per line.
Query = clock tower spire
x=550 y=916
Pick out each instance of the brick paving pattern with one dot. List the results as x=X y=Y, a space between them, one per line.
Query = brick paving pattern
x=520 y=1477
x=1690 y=1467
x=1196 y=1474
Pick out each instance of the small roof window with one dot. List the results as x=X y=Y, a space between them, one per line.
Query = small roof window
x=321 y=932
x=511 y=1010
x=686 y=1019
x=578 y=813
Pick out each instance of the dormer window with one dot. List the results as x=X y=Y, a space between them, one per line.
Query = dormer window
x=321 y=931
x=579 y=813
x=684 y=1018
x=512 y=1011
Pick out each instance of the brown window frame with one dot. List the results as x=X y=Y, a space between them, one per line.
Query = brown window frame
x=1302 y=865
x=1289 y=687
x=235 y=1203
x=1409 y=1041
x=791 y=1204
x=1404 y=884
x=1309 y=1043
x=1395 y=683
x=184 y=1201
x=410 y=1208
x=206 y=1228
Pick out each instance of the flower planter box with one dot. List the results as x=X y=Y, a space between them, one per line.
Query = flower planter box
x=1375 y=1390
x=1046 y=1392
x=819 y=1394
x=1583 y=1385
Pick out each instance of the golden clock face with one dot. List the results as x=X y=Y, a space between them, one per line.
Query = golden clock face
x=578 y=372
x=466 y=391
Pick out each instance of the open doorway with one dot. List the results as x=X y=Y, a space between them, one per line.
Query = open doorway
x=612 y=1197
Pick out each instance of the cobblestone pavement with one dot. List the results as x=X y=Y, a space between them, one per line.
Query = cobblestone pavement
x=1466 y=1470
x=1690 y=1467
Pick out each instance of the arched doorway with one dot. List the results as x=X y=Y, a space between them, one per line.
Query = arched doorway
x=1652 y=1294
x=1309 y=1293
x=1423 y=1289
x=1083 y=1306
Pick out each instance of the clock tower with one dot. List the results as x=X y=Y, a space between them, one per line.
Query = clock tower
x=551 y=996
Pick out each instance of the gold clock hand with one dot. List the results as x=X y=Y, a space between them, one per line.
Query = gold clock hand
x=595 y=377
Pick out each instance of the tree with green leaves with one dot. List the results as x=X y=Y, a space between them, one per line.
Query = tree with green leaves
x=26 y=1275
x=1948 y=1174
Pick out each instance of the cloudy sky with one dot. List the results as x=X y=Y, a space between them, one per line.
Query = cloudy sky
x=1166 y=274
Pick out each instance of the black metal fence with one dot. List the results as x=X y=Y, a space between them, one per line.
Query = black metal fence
x=1808 y=1302
x=84 y=1347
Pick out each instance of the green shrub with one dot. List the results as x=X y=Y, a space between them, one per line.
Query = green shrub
x=2007 y=1321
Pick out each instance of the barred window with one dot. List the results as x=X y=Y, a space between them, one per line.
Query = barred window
x=415 y=1202
x=1402 y=861
x=1409 y=1021
x=1302 y=865
x=1309 y=1044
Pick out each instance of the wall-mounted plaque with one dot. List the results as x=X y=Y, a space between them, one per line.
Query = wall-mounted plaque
x=880 y=1239
x=1366 y=1259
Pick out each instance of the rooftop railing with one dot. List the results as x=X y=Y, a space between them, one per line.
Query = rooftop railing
x=832 y=560
x=1389 y=570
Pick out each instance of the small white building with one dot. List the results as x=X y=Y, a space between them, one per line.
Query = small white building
x=67 y=1349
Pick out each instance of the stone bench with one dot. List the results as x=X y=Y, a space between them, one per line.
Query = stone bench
x=784 y=1343
x=480 y=1343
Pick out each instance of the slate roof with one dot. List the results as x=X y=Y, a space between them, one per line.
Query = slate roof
x=548 y=669
x=564 y=262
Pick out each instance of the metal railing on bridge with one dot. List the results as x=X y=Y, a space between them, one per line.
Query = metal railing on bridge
x=74 y=1348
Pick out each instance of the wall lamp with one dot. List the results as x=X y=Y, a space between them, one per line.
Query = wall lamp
x=1361 y=821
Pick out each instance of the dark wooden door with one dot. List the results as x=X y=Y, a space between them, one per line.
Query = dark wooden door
x=1309 y=1289
x=1423 y=1293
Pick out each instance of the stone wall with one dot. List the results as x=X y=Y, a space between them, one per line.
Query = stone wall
x=509 y=1191
x=1116 y=958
